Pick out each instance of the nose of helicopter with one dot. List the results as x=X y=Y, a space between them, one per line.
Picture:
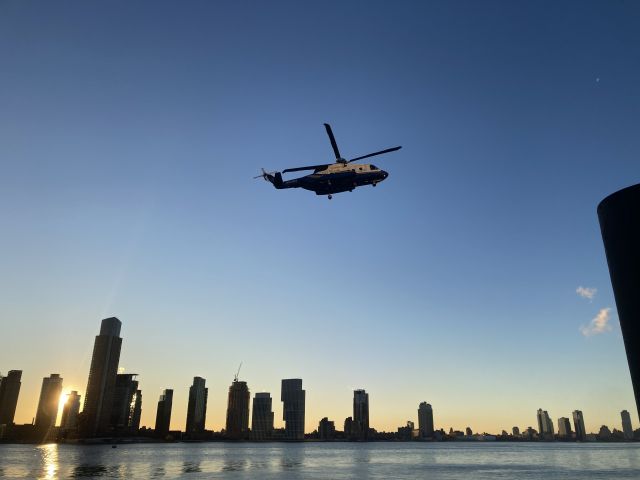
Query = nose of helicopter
x=384 y=174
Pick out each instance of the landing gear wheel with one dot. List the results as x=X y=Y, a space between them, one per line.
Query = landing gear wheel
x=374 y=184
x=330 y=197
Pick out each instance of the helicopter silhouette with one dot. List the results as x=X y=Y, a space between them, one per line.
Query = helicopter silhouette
x=330 y=178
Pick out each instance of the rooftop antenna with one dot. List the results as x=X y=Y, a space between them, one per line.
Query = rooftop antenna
x=235 y=379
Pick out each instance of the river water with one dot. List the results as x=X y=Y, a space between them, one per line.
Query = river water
x=433 y=461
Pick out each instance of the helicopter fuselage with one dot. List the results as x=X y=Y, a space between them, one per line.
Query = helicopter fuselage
x=330 y=178
x=336 y=178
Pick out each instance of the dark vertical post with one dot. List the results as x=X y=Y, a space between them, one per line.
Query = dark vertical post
x=619 y=216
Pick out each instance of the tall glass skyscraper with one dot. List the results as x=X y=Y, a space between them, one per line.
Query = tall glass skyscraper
x=578 y=425
x=163 y=415
x=126 y=403
x=197 y=407
x=70 y=411
x=361 y=414
x=425 y=420
x=262 y=417
x=627 y=429
x=98 y=400
x=564 y=427
x=49 y=401
x=293 y=398
x=9 y=391
x=545 y=425
x=238 y=410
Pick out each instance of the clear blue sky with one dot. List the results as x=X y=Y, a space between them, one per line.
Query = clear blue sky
x=129 y=133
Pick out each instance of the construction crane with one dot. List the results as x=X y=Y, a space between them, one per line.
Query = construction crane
x=235 y=379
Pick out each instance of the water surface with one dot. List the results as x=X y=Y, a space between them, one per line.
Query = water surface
x=528 y=461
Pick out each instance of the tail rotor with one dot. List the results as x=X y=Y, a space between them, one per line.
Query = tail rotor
x=275 y=178
x=264 y=174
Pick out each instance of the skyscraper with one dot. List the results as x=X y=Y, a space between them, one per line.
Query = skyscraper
x=627 y=429
x=9 y=390
x=125 y=397
x=197 y=407
x=238 y=410
x=163 y=414
x=262 y=417
x=361 y=414
x=48 y=404
x=69 y=420
x=578 y=425
x=541 y=422
x=618 y=215
x=564 y=427
x=545 y=425
x=98 y=400
x=293 y=398
x=425 y=420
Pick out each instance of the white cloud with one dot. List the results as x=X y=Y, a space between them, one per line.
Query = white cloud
x=600 y=324
x=586 y=292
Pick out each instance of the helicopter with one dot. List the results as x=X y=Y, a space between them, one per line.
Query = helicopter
x=330 y=178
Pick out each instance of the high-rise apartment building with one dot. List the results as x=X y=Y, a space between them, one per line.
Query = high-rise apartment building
x=564 y=427
x=541 y=422
x=9 y=391
x=70 y=411
x=197 y=407
x=238 y=410
x=98 y=400
x=361 y=414
x=578 y=425
x=163 y=414
x=47 y=412
x=545 y=425
x=348 y=427
x=425 y=420
x=293 y=400
x=126 y=403
x=262 y=417
x=627 y=429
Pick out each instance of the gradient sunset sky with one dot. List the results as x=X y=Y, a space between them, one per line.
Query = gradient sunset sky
x=129 y=133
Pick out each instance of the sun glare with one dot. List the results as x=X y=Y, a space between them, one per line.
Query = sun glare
x=63 y=400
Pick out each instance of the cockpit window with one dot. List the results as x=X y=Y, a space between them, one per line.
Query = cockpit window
x=373 y=167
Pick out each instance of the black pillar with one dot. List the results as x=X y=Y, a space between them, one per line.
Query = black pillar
x=619 y=216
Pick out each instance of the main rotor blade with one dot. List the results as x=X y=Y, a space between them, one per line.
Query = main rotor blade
x=376 y=153
x=333 y=141
x=310 y=167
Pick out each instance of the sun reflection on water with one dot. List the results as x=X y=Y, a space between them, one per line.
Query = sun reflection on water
x=49 y=454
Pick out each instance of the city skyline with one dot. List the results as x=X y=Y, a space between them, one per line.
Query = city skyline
x=475 y=271
x=124 y=399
